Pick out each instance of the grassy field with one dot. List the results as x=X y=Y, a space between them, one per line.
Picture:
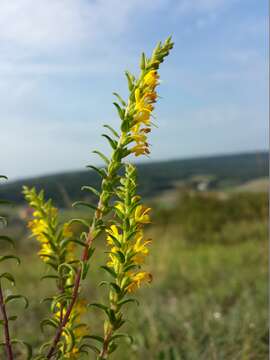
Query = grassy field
x=208 y=299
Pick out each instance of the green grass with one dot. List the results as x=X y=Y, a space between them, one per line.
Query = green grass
x=206 y=301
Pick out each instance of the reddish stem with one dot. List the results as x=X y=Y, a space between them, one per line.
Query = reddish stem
x=6 y=326
x=75 y=292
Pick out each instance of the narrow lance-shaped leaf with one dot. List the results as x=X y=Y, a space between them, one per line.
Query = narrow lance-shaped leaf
x=103 y=157
x=10 y=298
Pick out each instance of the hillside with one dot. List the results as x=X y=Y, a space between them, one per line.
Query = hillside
x=154 y=178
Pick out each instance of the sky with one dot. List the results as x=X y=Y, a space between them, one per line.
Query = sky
x=62 y=59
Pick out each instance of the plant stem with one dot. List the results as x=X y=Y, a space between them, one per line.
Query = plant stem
x=75 y=292
x=6 y=326
x=85 y=257
x=104 y=352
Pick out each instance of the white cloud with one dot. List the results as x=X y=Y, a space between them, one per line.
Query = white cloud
x=200 y=6
x=47 y=26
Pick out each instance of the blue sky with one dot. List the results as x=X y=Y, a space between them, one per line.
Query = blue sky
x=62 y=59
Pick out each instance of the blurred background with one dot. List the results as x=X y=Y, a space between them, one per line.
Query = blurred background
x=206 y=179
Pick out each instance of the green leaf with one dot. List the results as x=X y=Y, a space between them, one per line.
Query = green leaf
x=66 y=266
x=76 y=241
x=71 y=337
x=103 y=157
x=7 y=239
x=83 y=203
x=112 y=130
x=80 y=221
x=121 y=112
x=9 y=277
x=109 y=270
x=101 y=172
x=46 y=299
x=10 y=298
x=123 y=302
x=26 y=345
x=10 y=257
x=120 y=99
x=111 y=316
x=119 y=255
x=120 y=335
x=100 y=306
x=91 y=251
x=13 y=318
x=112 y=347
x=91 y=347
x=41 y=349
x=143 y=62
x=94 y=337
x=49 y=322
x=85 y=267
x=91 y=189
x=112 y=142
x=116 y=241
x=116 y=288
x=49 y=277
x=41 y=356
x=130 y=80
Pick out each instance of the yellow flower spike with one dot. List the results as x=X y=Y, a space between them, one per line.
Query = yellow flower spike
x=128 y=248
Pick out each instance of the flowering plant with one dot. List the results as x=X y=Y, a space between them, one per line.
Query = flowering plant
x=119 y=214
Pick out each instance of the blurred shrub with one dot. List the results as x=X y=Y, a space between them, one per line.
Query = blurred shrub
x=216 y=217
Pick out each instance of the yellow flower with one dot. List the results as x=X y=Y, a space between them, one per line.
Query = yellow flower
x=113 y=232
x=140 y=249
x=45 y=250
x=143 y=101
x=70 y=252
x=139 y=137
x=142 y=117
x=37 y=226
x=138 y=279
x=151 y=79
x=140 y=149
x=141 y=214
x=113 y=262
x=67 y=232
x=120 y=207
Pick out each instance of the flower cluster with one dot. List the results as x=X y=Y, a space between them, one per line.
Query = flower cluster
x=127 y=251
x=75 y=331
x=58 y=251
x=125 y=236
x=129 y=239
x=143 y=97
